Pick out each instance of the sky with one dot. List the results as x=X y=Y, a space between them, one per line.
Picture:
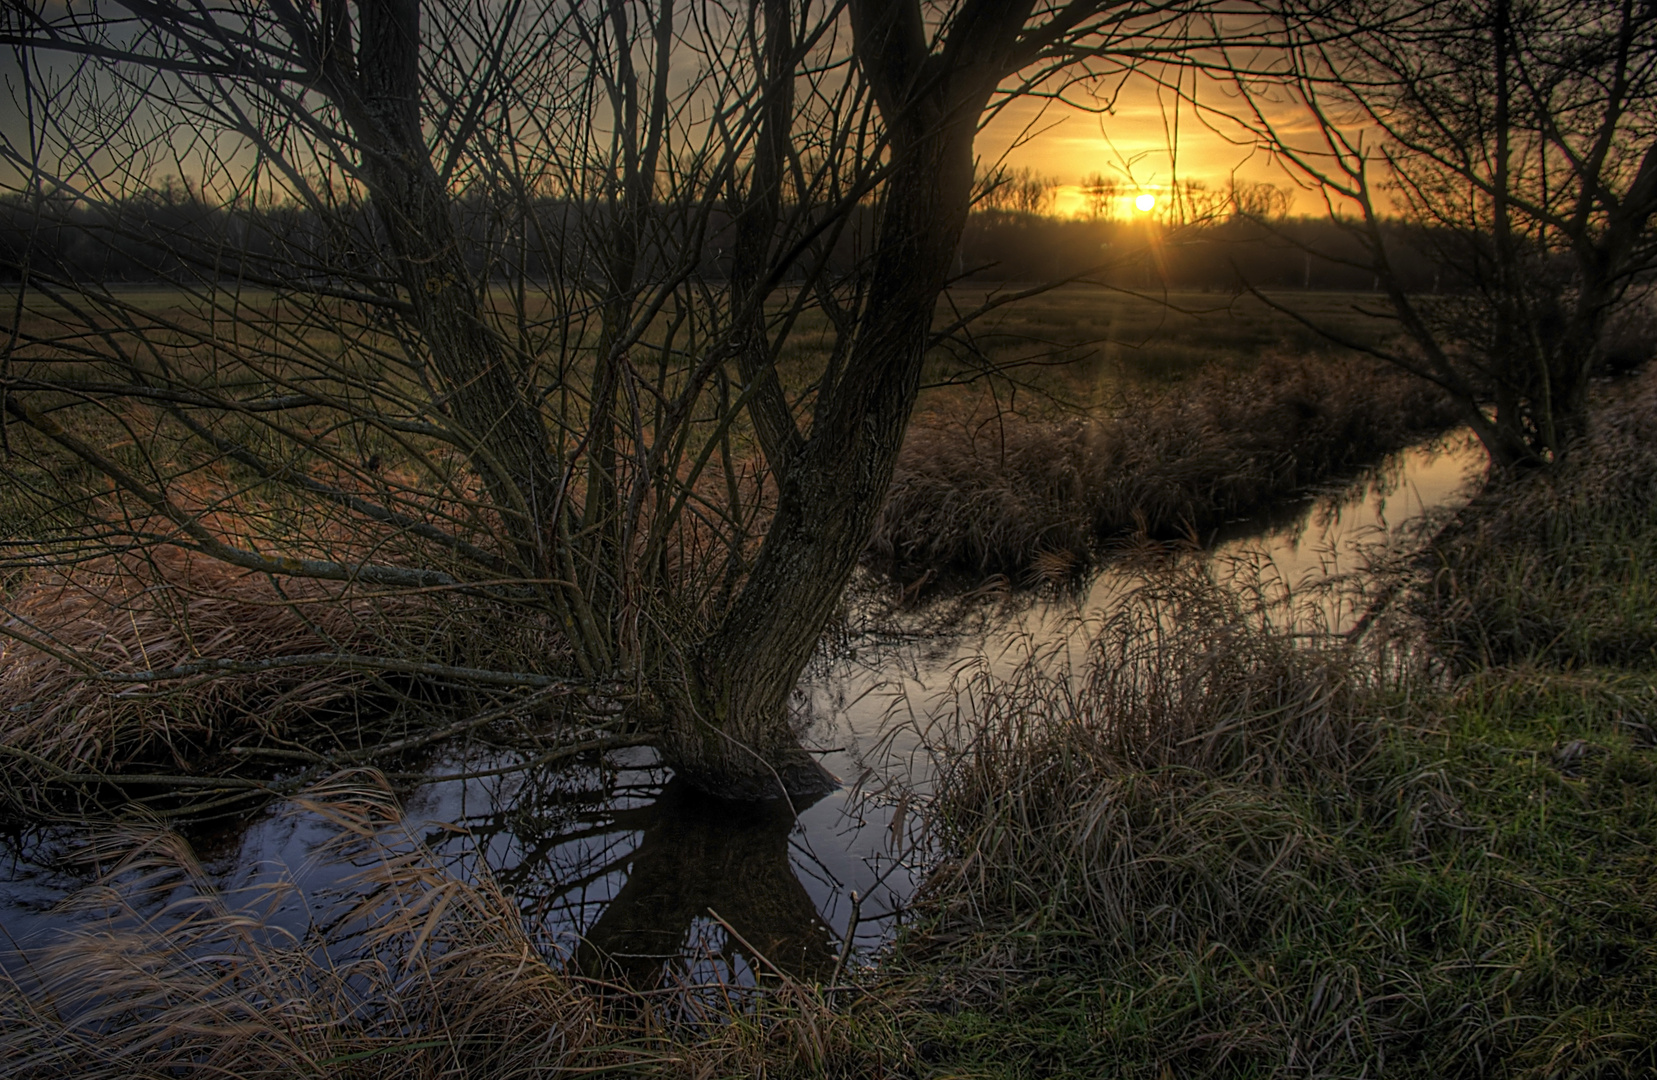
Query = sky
x=1132 y=144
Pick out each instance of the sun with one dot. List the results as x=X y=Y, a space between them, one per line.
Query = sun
x=1145 y=203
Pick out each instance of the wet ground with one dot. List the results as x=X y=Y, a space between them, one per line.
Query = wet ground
x=624 y=870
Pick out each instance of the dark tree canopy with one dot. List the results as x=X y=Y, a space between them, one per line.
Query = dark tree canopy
x=569 y=331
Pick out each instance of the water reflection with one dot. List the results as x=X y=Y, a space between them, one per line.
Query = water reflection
x=701 y=859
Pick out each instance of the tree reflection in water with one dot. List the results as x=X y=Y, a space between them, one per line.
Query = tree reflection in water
x=669 y=878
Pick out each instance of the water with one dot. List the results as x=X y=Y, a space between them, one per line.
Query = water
x=618 y=866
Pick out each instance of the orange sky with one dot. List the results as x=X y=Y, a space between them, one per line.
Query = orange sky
x=1130 y=144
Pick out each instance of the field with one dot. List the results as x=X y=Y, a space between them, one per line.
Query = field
x=1208 y=846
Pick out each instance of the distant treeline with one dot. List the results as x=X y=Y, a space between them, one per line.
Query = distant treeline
x=168 y=234
x=1286 y=253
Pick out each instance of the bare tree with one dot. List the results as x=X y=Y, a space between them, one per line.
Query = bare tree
x=1518 y=141
x=505 y=301
x=1099 y=196
x=1015 y=191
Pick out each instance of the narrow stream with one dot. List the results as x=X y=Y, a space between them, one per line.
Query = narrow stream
x=615 y=859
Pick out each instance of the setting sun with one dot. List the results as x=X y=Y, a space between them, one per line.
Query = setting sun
x=1145 y=203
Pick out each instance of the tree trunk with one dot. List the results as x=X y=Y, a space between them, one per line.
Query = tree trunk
x=739 y=742
x=734 y=739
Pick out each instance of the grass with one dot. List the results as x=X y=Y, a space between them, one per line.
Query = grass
x=402 y=970
x=1218 y=844
x=979 y=491
x=1560 y=569
x=135 y=615
x=1109 y=340
x=1298 y=872
x=1218 y=848
x=92 y=710
x=1213 y=846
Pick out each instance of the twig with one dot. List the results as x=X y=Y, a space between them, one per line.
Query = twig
x=846 y=945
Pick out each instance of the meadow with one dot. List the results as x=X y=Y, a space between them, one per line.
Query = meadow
x=1206 y=846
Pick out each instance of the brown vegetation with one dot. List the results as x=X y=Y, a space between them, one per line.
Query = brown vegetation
x=120 y=616
x=1555 y=566
x=162 y=662
x=1223 y=848
x=988 y=492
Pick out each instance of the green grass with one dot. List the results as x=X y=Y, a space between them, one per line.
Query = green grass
x=1485 y=907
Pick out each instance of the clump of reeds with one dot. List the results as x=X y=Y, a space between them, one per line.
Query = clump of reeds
x=989 y=495
x=1002 y=493
x=1559 y=566
x=401 y=969
x=107 y=666
x=1138 y=788
x=125 y=615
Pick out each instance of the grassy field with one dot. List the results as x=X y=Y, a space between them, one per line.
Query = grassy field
x=1086 y=344
x=1211 y=847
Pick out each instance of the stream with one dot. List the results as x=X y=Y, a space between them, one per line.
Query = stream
x=618 y=866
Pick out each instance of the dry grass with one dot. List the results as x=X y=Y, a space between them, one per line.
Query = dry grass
x=1136 y=790
x=403 y=970
x=1217 y=847
x=175 y=978
x=151 y=613
x=70 y=710
x=984 y=492
x=1560 y=567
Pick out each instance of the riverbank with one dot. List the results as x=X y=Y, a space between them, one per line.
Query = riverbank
x=1221 y=850
x=979 y=491
x=1238 y=853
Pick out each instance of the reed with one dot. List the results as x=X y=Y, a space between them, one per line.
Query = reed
x=977 y=492
x=89 y=662
x=1219 y=844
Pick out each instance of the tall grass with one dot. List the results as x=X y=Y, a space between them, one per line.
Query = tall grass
x=1560 y=567
x=175 y=978
x=89 y=652
x=990 y=492
x=135 y=615
x=1218 y=847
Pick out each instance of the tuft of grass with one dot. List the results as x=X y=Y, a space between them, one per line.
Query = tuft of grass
x=79 y=640
x=1002 y=493
x=174 y=977
x=131 y=615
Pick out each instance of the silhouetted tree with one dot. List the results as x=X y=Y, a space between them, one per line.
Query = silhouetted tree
x=532 y=343
x=1518 y=139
